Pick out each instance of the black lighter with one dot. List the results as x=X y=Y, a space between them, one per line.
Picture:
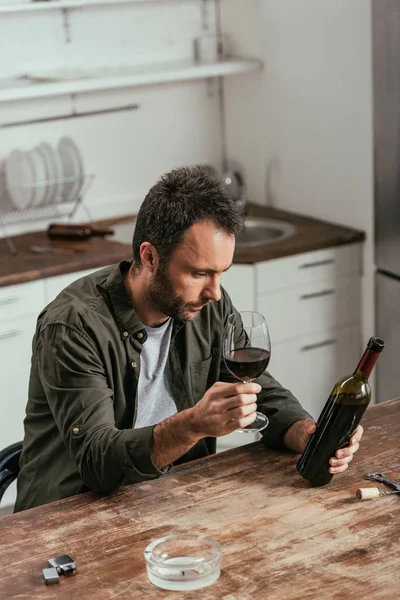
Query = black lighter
x=64 y=564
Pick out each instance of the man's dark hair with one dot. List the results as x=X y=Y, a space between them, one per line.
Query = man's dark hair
x=177 y=201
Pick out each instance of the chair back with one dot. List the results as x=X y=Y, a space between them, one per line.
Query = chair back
x=9 y=465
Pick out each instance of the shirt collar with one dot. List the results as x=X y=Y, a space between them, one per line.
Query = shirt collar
x=125 y=315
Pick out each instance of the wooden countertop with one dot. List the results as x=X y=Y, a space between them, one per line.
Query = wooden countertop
x=280 y=539
x=311 y=234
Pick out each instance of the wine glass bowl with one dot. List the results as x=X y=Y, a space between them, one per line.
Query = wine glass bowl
x=247 y=363
x=247 y=351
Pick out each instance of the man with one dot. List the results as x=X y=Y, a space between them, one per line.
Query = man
x=127 y=376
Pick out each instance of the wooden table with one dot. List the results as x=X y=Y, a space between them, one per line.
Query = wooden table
x=281 y=539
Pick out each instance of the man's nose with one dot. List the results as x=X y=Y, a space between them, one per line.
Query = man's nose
x=213 y=290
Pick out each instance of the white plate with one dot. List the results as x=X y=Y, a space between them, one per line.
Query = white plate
x=48 y=190
x=20 y=176
x=72 y=168
x=6 y=205
x=40 y=187
x=55 y=173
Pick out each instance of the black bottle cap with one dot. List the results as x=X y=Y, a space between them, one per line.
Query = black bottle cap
x=376 y=344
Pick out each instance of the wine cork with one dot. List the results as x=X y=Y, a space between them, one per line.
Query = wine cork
x=367 y=493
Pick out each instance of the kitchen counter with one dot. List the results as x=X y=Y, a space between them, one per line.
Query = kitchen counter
x=311 y=234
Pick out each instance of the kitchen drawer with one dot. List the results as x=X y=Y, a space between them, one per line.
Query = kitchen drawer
x=310 y=366
x=239 y=282
x=55 y=285
x=309 y=267
x=21 y=300
x=310 y=308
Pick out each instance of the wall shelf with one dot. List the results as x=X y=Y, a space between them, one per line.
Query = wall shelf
x=63 y=4
x=24 y=88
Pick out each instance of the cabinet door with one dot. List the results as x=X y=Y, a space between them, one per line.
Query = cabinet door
x=15 y=360
x=20 y=300
x=311 y=365
x=311 y=308
x=239 y=282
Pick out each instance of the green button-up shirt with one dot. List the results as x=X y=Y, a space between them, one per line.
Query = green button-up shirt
x=82 y=392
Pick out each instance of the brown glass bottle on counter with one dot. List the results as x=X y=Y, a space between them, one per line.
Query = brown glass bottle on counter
x=75 y=231
x=339 y=418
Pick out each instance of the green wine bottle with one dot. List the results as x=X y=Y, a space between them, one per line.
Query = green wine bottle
x=339 y=418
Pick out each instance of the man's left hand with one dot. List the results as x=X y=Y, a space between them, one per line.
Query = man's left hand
x=299 y=433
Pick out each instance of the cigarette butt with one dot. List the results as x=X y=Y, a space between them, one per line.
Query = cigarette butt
x=367 y=493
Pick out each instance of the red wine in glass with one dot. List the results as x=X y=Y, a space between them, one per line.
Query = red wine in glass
x=247 y=350
x=247 y=363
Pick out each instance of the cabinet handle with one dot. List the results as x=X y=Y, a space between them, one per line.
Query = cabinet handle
x=10 y=334
x=317 y=294
x=318 y=345
x=317 y=263
x=9 y=300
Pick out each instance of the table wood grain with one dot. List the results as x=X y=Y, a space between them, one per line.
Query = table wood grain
x=281 y=539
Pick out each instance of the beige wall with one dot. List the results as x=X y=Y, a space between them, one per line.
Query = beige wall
x=302 y=129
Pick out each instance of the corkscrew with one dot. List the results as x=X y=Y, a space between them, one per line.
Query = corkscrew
x=369 y=493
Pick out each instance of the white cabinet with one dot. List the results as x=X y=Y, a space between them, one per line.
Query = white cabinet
x=19 y=308
x=21 y=300
x=15 y=357
x=240 y=283
x=312 y=303
x=307 y=268
x=309 y=366
x=312 y=307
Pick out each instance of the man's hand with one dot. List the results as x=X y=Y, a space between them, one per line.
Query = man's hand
x=298 y=434
x=224 y=408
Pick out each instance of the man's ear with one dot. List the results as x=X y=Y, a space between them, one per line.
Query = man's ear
x=149 y=256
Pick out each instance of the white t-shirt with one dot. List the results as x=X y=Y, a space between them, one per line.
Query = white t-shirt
x=155 y=401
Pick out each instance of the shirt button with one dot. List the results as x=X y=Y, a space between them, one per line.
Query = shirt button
x=133 y=364
x=139 y=335
x=125 y=334
x=75 y=430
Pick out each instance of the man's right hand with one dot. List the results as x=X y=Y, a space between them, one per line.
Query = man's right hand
x=224 y=408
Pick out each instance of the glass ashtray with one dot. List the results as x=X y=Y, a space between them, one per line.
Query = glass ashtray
x=183 y=562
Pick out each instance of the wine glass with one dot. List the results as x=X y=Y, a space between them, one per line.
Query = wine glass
x=247 y=350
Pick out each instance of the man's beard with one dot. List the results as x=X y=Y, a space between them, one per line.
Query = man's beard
x=163 y=296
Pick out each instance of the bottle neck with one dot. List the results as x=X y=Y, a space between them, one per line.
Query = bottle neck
x=366 y=363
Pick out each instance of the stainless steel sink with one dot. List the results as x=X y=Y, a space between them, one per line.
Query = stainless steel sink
x=263 y=231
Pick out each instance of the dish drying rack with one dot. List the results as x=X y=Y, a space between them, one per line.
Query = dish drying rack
x=62 y=203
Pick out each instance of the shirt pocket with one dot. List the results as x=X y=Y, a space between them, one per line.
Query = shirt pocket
x=204 y=374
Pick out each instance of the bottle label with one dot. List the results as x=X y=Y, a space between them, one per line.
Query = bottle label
x=367 y=361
